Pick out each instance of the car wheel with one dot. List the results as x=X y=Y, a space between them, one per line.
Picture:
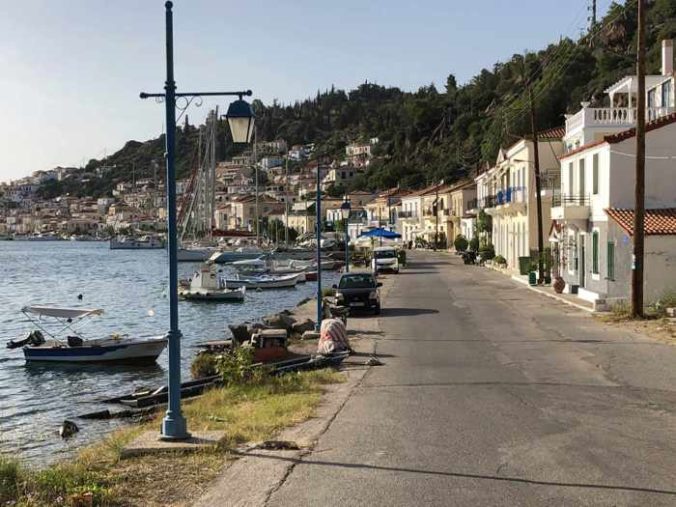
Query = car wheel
x=376 y=310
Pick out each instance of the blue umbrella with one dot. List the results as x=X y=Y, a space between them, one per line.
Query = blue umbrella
x=380 y=232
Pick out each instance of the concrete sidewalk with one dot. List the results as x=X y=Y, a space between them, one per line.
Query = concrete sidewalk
x=257 y=474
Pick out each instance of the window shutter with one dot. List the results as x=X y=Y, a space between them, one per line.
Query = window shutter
x=611 y=261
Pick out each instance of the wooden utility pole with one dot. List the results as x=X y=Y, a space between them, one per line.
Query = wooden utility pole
x=538 y=194
x=639 y=195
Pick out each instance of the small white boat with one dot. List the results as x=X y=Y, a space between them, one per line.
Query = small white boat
x=75 y=348
x=205 y=285
x=144 y=243
x=194 y=254
x=240 y=254
x=262 y=282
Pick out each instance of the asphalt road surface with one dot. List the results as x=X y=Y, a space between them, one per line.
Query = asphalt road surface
x=494 y=395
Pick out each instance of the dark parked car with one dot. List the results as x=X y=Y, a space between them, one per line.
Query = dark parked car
x=358 y=291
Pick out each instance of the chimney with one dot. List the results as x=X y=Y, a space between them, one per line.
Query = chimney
x=667 y=57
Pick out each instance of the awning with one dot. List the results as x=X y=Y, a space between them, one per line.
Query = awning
x=61 y=313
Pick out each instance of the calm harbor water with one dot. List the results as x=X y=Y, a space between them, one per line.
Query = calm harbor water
x=131 y=287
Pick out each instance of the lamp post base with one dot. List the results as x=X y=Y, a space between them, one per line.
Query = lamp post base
x=174 y=428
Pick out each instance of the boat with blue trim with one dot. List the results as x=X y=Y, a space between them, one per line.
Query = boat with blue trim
x=75 y=348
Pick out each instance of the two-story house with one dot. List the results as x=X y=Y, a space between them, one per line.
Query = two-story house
x=591 y=239
x=507 y=192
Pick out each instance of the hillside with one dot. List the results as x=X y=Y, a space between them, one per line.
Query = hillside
x=434 y=133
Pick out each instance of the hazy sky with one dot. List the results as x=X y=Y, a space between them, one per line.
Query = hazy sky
x=71 y=70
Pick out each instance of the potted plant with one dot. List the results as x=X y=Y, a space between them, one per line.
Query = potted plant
x=559 y=284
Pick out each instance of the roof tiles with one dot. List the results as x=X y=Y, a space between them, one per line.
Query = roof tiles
x=658 y=222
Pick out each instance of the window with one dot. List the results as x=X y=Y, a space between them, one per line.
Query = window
x=570 y=178
x=580 y=183
x=666 y=94
x=595 y=174
x=595 y=252
x=611 y=261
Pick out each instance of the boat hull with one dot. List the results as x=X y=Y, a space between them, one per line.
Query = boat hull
x=143 y=352
x=193 y=254
x=228 y=257
x=283 y=283
x=234 y=296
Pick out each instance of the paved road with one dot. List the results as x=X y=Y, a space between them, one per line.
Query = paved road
x=494 y=395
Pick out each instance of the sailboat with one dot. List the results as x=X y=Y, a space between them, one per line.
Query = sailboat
x=196 y=212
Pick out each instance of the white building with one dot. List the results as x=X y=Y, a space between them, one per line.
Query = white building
x=596 y=180
x=507 y=193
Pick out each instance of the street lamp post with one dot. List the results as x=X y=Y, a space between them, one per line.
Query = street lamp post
x=318 y=218
x=345 y=212
x=241 y=119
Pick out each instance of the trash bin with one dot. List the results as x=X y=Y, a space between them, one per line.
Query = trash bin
x=524 y=265
x=532 y=278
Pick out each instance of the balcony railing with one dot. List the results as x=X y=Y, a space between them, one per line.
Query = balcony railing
x=408 y=214
x=563 y=200
x=611 y=116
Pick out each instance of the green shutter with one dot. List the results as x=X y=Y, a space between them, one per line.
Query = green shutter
x=595 y=174
x=611 y=261
x=595 y=252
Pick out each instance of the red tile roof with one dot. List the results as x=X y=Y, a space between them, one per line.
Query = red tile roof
x=553 y=133
x=658 y=222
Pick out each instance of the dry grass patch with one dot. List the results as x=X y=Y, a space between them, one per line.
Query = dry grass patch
x=244 y=413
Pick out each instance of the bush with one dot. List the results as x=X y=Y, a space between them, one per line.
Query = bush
x=9 y=480
x=500 y=260
x=474 y=244
x=487 y=251
x=204 y=365
x=659 y=307
x=460 y=243
x=236 y=367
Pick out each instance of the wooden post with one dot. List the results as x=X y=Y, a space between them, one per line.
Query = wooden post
x=538 y=193
x=639 y=195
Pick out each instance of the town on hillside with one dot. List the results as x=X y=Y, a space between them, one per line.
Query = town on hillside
x=585 y=183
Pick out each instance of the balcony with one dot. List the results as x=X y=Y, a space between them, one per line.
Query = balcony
x=507 y=201
x=472 y=205
x=571 y=207
x=609 y=118
x=408 y=215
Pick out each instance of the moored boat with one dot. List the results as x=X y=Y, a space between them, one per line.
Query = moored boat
x=240 y=254
x=262 y=282
x=151 y=242
x=205 y=285
x=75 y=348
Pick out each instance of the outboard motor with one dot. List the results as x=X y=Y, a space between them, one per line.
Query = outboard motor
x=74 y=341
x=36 y=338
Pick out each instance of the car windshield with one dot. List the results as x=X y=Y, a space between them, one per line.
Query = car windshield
x=364 y=281
x=384 y=254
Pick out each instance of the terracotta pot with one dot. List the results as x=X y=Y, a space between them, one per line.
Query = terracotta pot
x=559 y=285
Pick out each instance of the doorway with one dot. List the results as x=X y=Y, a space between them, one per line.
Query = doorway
x=582 y=261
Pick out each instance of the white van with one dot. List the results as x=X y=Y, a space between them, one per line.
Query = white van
x=385 y=259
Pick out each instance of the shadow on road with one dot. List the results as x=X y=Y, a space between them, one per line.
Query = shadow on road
x=407 y=312
x=462 y=475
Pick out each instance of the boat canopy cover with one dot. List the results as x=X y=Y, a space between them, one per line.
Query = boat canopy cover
x=61 y=313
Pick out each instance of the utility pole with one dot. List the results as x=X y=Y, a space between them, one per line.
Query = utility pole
x=538 y=195
x=286 y=203
x=639 y=195
x=255 y=160
x=592 y=23
x=436 y=219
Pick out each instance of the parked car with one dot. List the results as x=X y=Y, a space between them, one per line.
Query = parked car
x=385 y=258
x=358 y=291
